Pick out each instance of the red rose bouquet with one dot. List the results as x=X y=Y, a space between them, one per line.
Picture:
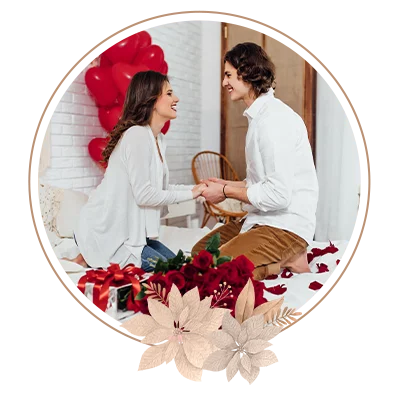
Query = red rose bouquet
x=219 y=277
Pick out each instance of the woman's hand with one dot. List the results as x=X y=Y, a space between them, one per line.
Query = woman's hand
x=198 y=190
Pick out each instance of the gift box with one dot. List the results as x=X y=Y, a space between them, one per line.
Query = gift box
x=113 y=290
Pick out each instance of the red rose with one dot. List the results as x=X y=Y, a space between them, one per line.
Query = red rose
x=203 y=260
x=230 y=274
x=245 y=266
x=157 y=278
x=189 y=271
x=190 y=285
x=175 y=277
x=211 y=279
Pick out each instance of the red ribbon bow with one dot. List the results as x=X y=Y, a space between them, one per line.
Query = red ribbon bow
x=113 y=276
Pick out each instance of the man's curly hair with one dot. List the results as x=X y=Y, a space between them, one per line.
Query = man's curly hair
x=253 y=66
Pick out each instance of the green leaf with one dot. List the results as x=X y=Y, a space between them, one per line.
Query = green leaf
x=141 y=294
x=213 y=243
x=161 y=266
x=223 y=259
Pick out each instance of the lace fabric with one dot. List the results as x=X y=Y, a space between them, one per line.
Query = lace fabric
x=50 y=202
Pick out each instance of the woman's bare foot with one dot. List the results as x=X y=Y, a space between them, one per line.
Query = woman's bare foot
x=78 y=260
x=298 y=263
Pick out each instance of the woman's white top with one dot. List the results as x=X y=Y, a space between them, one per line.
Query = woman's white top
x=125 y=208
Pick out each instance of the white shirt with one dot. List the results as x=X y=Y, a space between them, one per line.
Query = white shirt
x=280 y=176
x=125 y=208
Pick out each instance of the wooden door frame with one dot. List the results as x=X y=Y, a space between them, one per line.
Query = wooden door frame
x=310 y=91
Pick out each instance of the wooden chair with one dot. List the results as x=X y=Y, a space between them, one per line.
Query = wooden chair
x=207 y=164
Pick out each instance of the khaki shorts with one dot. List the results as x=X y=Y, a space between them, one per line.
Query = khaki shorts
x=263 y=245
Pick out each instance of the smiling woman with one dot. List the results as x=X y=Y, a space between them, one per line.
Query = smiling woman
x=122 y=216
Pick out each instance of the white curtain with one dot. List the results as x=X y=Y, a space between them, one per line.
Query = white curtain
x=337 y=166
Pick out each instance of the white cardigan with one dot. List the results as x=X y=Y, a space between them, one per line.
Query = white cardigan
x=125 y=208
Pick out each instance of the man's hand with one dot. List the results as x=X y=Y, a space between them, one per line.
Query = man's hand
x=213 y=193
x=240 y=184
x=218 y=180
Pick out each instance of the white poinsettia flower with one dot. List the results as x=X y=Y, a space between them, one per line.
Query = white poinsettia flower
x=241 y=347
x=182 y=330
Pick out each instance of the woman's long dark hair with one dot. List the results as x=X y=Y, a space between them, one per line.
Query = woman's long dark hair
x=143 y=91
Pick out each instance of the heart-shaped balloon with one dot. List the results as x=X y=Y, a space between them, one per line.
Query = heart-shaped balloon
x=109 y=117
x=151 y=56
x=123 y=73
x=101 y=85
x=120 y=99
x=104 y=61
x=144 y=39
x=165 y=128
x=96 y=147
x=123 y=51
x=163 y=68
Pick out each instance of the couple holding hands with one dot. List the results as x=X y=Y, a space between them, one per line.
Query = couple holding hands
x=121 y=220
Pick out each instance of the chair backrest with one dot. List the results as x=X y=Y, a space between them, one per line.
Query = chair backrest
x=207 y=164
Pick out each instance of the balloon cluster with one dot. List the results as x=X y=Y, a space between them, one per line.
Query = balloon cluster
x=108 y=82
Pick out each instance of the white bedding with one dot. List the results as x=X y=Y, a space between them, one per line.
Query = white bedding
x=296 y=295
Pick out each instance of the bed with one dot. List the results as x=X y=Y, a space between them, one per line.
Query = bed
x=60 y=208
x=297 y=289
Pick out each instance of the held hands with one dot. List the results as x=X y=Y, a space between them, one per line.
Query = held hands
x=214 y=190
x=211 y=189
x=198 y=190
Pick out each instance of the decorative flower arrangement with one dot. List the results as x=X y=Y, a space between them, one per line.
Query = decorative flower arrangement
x=187 y=331
x=204 y=312
x=221 y=278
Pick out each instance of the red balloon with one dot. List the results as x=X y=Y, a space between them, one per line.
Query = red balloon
x=102 y=165
x=96 y=147
x=109 y=117
x=104 y=61
x=144 y=39
x=165 y=128
x=101 y=85
x=123 y=73
x=151 y=56
x=123 y=51
x=120 y=99
x=163 y=68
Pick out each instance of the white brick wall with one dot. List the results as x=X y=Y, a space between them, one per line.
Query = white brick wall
x=75 y=121
x=182 y=45
x=73 y=124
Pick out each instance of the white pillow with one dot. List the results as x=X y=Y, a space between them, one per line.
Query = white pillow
x=68 y=215
x=60 y=209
